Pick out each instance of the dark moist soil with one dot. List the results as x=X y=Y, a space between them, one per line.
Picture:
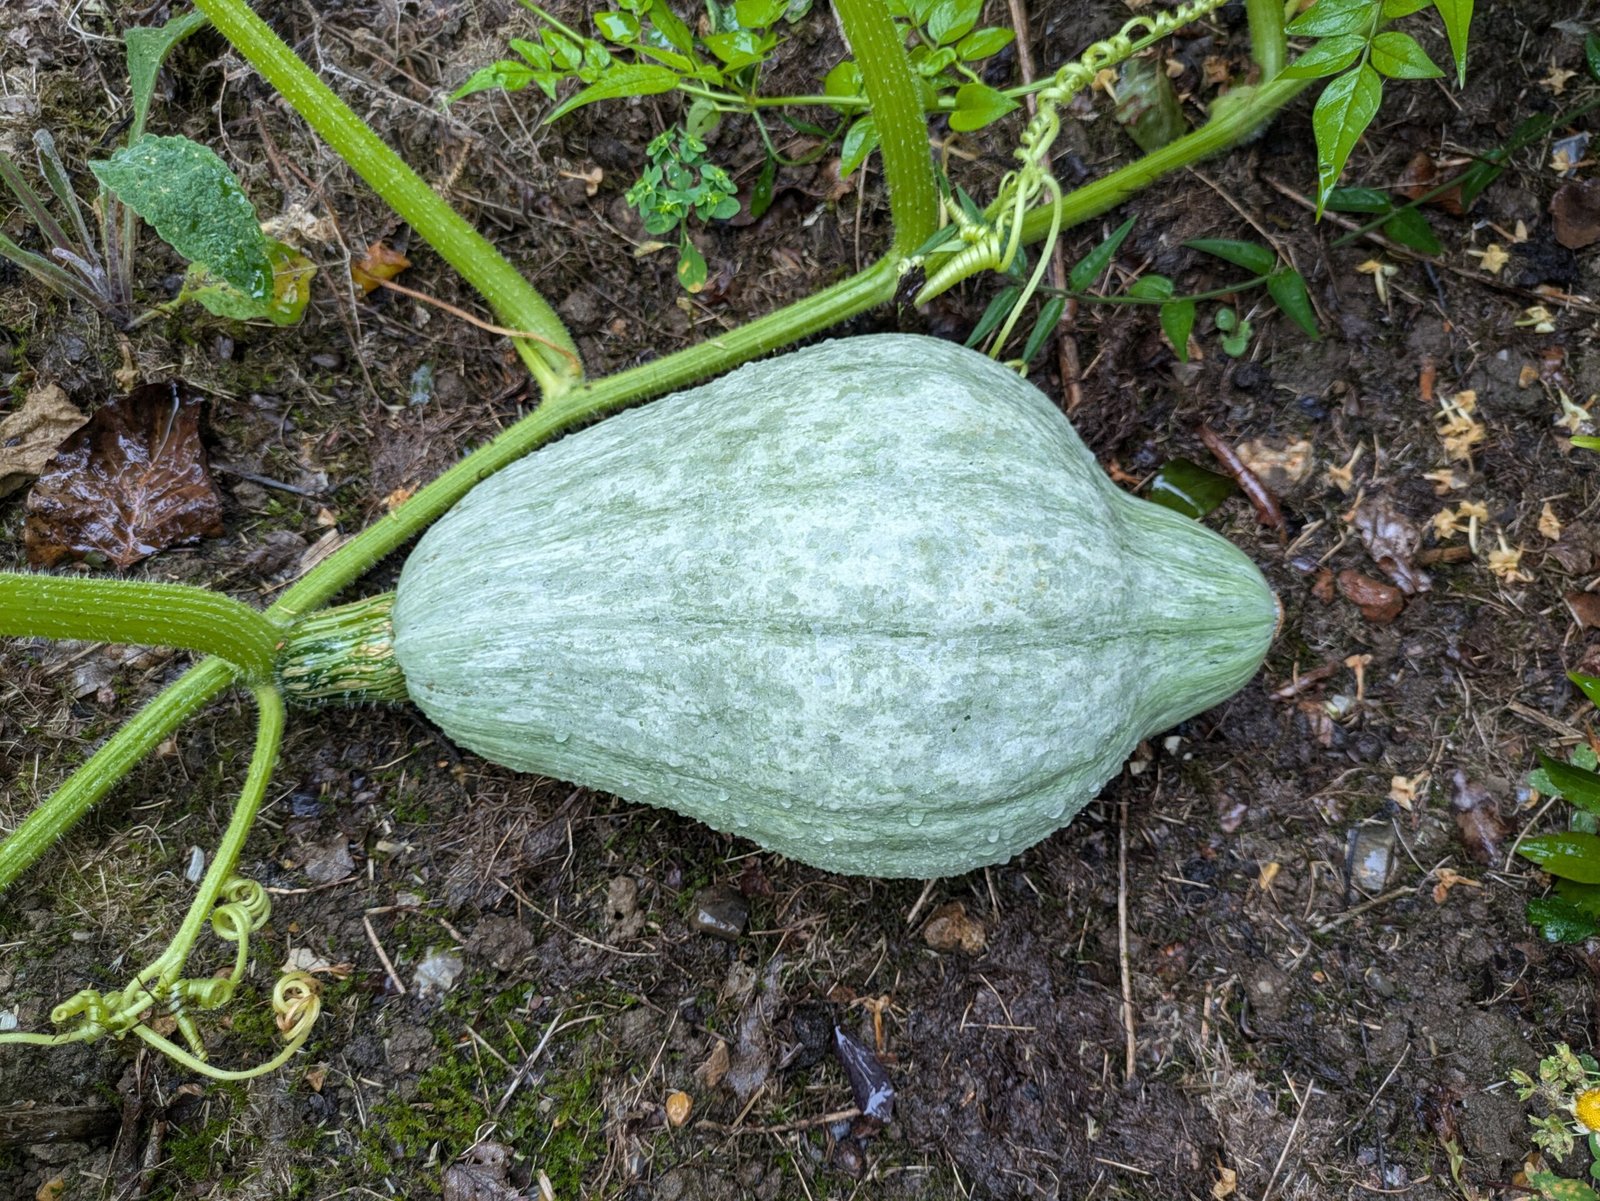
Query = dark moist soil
x=1314 y=1013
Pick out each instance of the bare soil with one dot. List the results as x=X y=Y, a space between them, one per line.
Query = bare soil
x=1315 y=1010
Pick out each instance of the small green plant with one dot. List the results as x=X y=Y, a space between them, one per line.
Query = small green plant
x=1569 y=1087
x=1572 y=855
x=184 y=191
x=1355 y=49
x=680 y=183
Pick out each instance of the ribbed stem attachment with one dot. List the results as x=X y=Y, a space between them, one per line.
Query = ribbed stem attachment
x=344 y=654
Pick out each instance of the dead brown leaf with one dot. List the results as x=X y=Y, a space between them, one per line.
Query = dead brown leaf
x=132 y=481
x=1379 y=602
x=1477 y=817
x=1421 y=176
x=380 y=263
x=29 y=436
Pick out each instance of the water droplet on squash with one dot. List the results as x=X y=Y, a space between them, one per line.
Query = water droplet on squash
x=562 y=735
x=916 y=817
x=994 y=835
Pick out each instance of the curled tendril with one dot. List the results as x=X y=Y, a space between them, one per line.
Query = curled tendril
x=991 y=243
x=244 y=909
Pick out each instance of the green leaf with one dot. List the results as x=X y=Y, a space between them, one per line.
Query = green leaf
x=740 y=48
x=978 y=105
x=1092 y=265
x=1343 y=112
x=1557 y=1188
x=1328 y=18
x=191 y=198
x=1578 y=786
x=1252 y=256
x=291 y=289
x=622 y=28
x=1398 y=56
x=691 y=267
x=1049 y=317
x=758 y=14
x=999 y=309
x=1177 y=322
x=619 y=81
x=1568 y=855
x=1288 y=290
x=859 y=141
x=1585 y=898
x=1327 y=57
x=1457 y=17
x=981 y=43
x=1188 y=488
x=951 y=20
x=1587 y=443
x=1410 y=228
x=843 y=80
x=761 y=193
x=507 y=75
x=1591 y=56
x=668 y=25
x=1558 y=921
x=1395 y=9
x=1359 y=200
x=1151 y=287
x=1588 y=685
x=148 y=48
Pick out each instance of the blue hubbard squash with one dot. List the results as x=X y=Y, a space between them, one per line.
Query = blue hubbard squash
x=872 y=605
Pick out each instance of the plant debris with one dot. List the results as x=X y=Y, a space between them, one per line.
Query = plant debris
x=1576 y=210
x=30 y=435
x=951 y=929
x=131 y=481
x=1392 y=541
x=869 y=1079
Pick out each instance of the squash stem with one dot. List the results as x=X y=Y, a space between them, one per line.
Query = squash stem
x=343 y=654
x=551 y=355
x=171 y=615
x=897 y=113
x=1269 y=45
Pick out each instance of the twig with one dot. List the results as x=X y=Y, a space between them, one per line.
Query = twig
x=927 y=891
x=383 y=958
x=487 y=326
x=1289 y=1142
x=1354 y=911
x=827 y=1119
x=555 y=1027
x=1264 y=503
x=1123 y=958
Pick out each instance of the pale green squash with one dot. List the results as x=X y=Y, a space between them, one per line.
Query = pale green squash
x=872 y=605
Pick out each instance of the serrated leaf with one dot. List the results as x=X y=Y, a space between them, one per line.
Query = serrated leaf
x=951 y=20
x=618 y=82
x=1092 y=265
x=1288 y=290
x=1252 y=256
x=999 y=309
x=1049 y=317
x=1398 y=56
x=148 y=48
x=1558 y=921
x=981 y=43
x=978 y=105
x=1358 y=200
x=1329 y=18
x=1327 y=57
x=1343 y=112
x=1568 y=855
x=1457 y=17
x=190 y=197
x=1411 y=229
x=1177 y=322
x=859 y=141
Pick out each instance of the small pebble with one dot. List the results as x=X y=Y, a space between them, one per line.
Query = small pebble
x=720 y=913
x=1370 y=857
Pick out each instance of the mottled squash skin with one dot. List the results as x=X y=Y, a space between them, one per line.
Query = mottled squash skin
x=872 y=605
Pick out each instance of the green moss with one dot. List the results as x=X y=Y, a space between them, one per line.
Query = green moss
x=193 y=1150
